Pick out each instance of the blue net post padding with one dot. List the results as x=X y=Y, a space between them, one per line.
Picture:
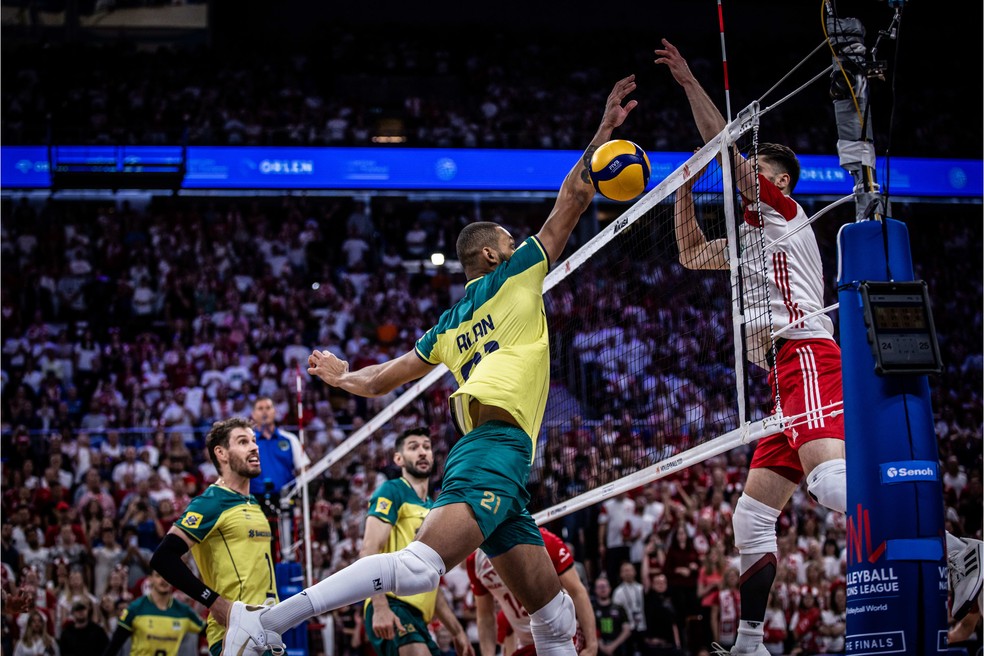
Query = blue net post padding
x=897 y=569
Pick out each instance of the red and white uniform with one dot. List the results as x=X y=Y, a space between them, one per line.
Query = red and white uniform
x=791 y=281
x=485 y=580
x=808 y=365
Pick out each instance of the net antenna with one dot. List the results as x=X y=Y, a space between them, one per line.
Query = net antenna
x=724 y=63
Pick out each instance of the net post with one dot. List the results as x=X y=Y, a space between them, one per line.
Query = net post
x=892 y=463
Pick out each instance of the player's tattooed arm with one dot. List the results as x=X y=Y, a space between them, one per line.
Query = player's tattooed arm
x=586 y=160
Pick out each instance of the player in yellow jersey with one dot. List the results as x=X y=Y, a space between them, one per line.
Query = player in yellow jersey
x=228 y=535
x=156 y=622
x=396 y=510
x=495 y=341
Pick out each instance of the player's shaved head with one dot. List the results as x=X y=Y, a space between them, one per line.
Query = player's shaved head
x=473 y=238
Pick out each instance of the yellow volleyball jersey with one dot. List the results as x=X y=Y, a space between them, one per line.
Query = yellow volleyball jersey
x=396 y=503
x=158 y=632
x=232 y=548
x=494 y=340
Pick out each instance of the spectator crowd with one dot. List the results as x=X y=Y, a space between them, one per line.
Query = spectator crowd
x=128 y=330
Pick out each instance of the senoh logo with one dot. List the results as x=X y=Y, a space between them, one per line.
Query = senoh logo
x=908 y=471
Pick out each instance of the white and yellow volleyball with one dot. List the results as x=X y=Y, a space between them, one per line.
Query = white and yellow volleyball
x=620 y=170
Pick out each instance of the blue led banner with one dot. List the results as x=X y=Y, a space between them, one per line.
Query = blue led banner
x=226 y=167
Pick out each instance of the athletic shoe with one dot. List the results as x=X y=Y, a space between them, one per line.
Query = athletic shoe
x=718 y=650
x=966 y=576
x=245 y=635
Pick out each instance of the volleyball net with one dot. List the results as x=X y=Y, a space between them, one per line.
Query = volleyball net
x=650 y=350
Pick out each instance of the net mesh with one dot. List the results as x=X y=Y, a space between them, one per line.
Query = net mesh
x=648 y=343
x=642 y=353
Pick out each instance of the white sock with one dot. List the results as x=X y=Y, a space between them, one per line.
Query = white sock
x=412 y=570
x=750 y=636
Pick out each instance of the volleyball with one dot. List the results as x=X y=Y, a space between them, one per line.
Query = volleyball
x=620 y=170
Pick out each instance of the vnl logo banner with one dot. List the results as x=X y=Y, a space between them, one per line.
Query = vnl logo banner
x=908 y=471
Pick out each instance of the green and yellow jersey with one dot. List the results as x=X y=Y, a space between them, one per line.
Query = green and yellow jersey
x=231 y=547
x=495 y=342
x=396 y=503
x=157 y=632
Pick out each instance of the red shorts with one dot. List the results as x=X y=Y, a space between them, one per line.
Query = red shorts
x=809 y=372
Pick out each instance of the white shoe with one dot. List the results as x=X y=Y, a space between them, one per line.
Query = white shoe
x=718 y=650
x=966 y=576
x=245 y=635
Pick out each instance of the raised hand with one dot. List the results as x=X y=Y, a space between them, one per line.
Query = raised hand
x=327 y=367
x=615 y=113
x=671 y=57
x=385 y=624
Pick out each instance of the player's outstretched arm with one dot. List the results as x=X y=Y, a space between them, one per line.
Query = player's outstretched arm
x=696 y=252
x=374 y=380
x=577 y=191
x=706 y=114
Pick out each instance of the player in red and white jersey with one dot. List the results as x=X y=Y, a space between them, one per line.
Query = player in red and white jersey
x=792 y=281
x=807 y=363
x=487 y=585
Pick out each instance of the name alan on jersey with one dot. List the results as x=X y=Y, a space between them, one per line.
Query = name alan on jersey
x=479 y=329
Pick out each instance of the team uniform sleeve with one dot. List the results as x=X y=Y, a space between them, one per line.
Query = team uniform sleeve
x=128 y=615
x=477 y=588
x=425 y=348
x=530 y=255
x=385 y=502
x=198 y=519
x=560 y=555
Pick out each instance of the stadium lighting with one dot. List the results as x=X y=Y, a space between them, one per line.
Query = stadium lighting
x=437 y=259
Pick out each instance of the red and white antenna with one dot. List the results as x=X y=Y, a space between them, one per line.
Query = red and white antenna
x=724 y=63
